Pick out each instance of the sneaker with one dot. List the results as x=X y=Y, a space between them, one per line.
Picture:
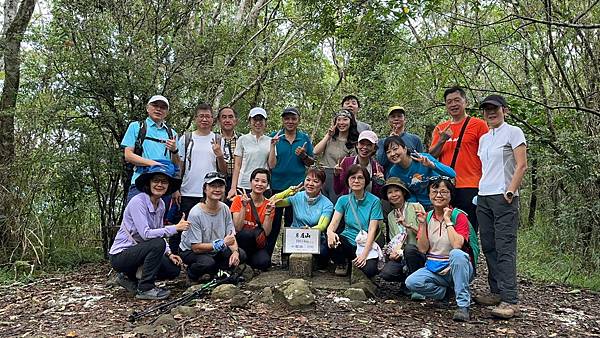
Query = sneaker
x=461 y=315
x=490 y=299
x=127 y=283
x=506 y=310
x=153 y=294
x=341 y=270
x=417 y=297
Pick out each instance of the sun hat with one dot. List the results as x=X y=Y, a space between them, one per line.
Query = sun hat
x=166 y=168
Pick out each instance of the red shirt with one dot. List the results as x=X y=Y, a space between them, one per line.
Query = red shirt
x=468 y=164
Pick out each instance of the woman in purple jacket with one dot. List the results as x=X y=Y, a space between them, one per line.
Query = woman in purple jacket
x=139 y=252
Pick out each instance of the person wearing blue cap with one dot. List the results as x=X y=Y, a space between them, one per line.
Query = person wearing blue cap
x=139 y=252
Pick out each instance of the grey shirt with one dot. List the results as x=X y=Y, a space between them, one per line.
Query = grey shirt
x=206 y=227
x=361 y=126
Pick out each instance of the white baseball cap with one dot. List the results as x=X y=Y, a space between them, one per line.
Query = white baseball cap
x=368 y=135
x=257 y=111
x=159 y=98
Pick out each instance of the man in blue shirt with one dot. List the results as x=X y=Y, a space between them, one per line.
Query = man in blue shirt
x=294 y=153
x=397 y=121
x=157 y=145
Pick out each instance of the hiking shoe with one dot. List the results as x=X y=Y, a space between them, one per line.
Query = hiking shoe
x=153 y=294
x=506 y=310
x=341 y=270
x=127 y=283
x=461 y=315
x=488 y=299
x=417 y=297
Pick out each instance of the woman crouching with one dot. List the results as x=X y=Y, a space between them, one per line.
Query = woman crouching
x=209 y=244
x=139 y=243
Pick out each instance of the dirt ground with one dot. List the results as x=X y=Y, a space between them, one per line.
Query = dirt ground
x=80 y=304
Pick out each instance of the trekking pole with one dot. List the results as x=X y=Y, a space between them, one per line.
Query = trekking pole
x=222 y=278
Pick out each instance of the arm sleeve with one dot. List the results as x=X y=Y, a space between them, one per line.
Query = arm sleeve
x=130 y=135
x=239 y=148
x=380 y=154
x=284 y=196
x=195 y=232
x=236 y=204
x=338 y=181
x=229 y=227
x=441 y=168
x=340 y=205
x=461 y=225
x=376 y=211
x=325 y=217
x=517 y=138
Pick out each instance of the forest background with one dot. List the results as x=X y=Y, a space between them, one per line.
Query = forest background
x=76 y=73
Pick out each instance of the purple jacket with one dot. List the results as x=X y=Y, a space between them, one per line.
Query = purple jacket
x=339 y=186
x=141 y=222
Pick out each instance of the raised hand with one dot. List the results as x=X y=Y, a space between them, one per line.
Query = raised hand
x=216 y=148
x=337 y=170
x=446 y=133
x=275 y=138
x=447 y=214
x=183 y=225
x=244 y=197
x=424 y=161
x=421 y=217
x=301 y=151
x=172 y=144
x=331 y=129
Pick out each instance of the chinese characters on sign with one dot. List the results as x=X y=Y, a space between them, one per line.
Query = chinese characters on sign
x=297 y=240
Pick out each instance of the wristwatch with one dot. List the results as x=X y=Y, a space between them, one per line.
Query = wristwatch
x=449 y=225
x=510 y=194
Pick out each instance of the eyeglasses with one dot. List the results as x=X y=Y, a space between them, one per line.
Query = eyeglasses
x=160 y=181
x=204 y=117
x=443 y=193
x=356 y=178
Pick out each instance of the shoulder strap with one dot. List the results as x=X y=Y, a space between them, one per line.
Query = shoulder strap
x=138 y=148
x=459 y=141
x=255 y=214
x=187 y=161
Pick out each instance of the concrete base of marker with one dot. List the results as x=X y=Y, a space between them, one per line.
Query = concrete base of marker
x=301 y=265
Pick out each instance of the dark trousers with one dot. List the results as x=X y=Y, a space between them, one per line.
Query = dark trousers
x=288 y=214
x=346 y=252
x=499 y=223
x=151 y=256
x=463 y=199
x=187 y=203
x=209 y=262
x=397 y=271
x=227 y=188
x=255 y=257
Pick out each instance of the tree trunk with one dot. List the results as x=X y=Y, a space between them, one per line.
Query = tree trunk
x=8 y=101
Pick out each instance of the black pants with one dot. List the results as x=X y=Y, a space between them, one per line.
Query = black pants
x=288 y=214
x=346 y=252
x=151 y=256
x=394 y=271
x=463 y=199
x=209 y=262
x=255 y=257
x=187 y=203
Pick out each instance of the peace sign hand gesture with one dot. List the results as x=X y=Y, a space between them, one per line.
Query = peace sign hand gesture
x=275 y=138
x=301 y=151
x=216 y=148
x=245 y=199
x=446 y=133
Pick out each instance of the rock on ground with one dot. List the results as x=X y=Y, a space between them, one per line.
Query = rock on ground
x=224 y=291
x=296 y=293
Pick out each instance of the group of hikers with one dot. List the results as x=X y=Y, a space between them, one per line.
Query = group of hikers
x=208 y=201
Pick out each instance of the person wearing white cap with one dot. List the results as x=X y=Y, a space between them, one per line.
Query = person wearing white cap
x=365 y=156
x=145 y=142
x=253 y=150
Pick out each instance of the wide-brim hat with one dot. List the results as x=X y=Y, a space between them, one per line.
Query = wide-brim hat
x=166 y=168
x=397 y=182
